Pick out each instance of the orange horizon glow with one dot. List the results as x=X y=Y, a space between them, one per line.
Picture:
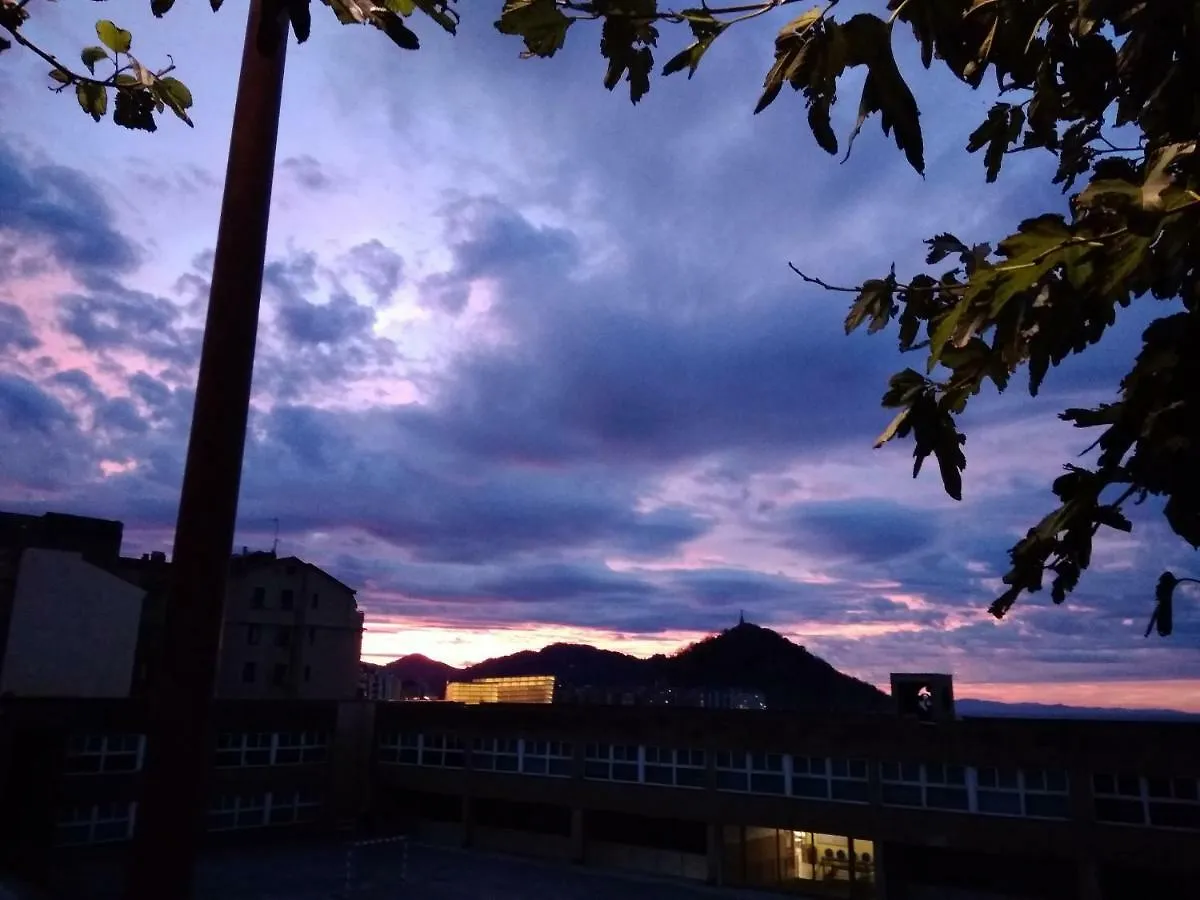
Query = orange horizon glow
x=386 y=640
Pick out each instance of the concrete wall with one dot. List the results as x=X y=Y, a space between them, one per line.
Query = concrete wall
x=322 y=656
x=521 y=843
x=73 y=631
x=649 y=860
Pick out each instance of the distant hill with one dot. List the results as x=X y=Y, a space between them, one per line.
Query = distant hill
x=746 y=657
x=996 y=709
x=429 y=675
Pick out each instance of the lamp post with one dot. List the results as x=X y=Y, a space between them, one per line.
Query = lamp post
x=178 y=758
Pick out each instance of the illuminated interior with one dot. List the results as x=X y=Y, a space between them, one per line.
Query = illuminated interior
x=833 y=857
x=524 y=689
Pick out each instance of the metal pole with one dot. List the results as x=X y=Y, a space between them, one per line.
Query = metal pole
x=173 y=797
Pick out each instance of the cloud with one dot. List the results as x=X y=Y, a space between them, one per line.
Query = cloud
x=379 y=267
x=16 y=331
x=62 y=208
x=857 y=530
x=307 y=172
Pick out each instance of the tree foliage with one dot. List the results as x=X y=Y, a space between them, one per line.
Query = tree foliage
x=1069 y=76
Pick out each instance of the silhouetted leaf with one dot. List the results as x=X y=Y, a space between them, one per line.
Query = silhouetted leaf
x=541 y=24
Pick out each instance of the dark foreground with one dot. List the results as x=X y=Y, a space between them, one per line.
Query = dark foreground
x=318 y=871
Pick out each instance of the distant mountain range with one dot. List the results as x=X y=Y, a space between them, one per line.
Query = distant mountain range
x=993 y=708
x=746 y=657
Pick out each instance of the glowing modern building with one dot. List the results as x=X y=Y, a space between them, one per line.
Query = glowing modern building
x=517 y=689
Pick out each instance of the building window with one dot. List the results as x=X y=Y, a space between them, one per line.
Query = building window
x=848 y=781
x=810 y=777
x=229 y=812
x=295 y=747
x=96 y=754
x=1136 y=800
x=931 y=785
x=551 y=758
x=1045 y=793
x=612 y=762
x=259 y=598
x=733 y=771
x=283 y=636
x=442 y=750
x=998 y=791
x=281 y=673
x=249 y=671
x=292 y=807
x=240 y=749
x=287 y=599
x=496 y=754
x=99 y=823
x=766 y=773
x=253 y=634
x=673 y=767
x=316 y=600
x=401 y=749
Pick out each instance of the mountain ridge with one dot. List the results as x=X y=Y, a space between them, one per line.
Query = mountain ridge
x=745 y=657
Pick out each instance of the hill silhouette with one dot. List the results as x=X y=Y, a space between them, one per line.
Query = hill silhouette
x=745 y=657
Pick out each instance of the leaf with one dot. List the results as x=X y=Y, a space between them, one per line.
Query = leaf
x=893 y=428
x=118 y=40
x=300 y=14
x=540 y=23
x=91 y=56
x=440 y=13
x=705 y=29
x=401 y=7
x=93 y=99
x=161 y=7
x=791 y=54
x=62 y=76
x=1158 y=177
x=1163 y=616
x=885 y=91
x=875 y=300
x=393 y=26
x=5 y=44
x=619 y=37
x=134 y=109
x=998 y=133
x=941 y=246
x=175 y=94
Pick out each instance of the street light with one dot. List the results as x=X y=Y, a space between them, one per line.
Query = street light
x=171 y=807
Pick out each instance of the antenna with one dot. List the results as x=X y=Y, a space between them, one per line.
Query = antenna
x=275 y=543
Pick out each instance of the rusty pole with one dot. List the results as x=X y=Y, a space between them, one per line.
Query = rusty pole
x=173 y=799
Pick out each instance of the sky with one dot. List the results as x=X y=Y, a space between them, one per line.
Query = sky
x=532 y=366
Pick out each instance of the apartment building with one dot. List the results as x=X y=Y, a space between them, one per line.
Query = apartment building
x=68 y=626
x=291 y=630
x=79 y=620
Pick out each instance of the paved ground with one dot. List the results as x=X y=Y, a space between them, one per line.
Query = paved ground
x=434 y=873
x=311 y=871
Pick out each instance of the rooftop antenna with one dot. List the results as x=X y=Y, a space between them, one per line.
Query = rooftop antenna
x=741 y=617
x=275 y=543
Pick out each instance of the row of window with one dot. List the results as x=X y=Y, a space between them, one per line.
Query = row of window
x=1033 y=793
x=232 y=812
x=528 y=757
x=279 y=675
x=287 y=599
x=99 y=823
x=811 y=777
x=271 y=748
x=108 y=754
x=283 y=634
x=1138 y=800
